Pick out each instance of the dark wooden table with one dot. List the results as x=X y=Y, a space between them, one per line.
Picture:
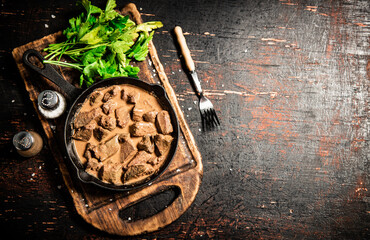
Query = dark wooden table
x=290 y=81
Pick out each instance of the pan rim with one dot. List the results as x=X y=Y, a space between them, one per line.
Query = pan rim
x=74 y=109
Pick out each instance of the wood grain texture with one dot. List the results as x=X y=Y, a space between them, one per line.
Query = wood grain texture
x=290 y=81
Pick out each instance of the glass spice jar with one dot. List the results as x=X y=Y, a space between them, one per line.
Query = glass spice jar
x=51 y=104
x=27 y=143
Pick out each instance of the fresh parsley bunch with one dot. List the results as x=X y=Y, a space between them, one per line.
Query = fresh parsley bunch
x=101 y=44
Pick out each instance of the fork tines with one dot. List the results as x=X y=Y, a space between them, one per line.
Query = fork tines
x=209 y=118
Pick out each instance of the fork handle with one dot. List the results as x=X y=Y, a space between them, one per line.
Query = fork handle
x=188 y=60
x=184 y=49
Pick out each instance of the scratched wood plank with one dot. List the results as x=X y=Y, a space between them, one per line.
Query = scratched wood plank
x=290 y=80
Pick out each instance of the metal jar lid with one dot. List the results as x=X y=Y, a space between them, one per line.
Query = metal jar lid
x=48 y=100
x=23 y=141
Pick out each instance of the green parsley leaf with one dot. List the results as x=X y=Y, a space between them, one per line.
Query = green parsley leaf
x=102 y=43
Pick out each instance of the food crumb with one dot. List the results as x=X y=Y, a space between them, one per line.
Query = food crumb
x=86 y=205
x=190 y=108
x=195 y=102
x=59 y=187
x=179 y=70
x=129 y=218
x=33 y=174
x=52 y=16
x=13 y=101
x=178 y=170
x=46 y=25
x=200 y=129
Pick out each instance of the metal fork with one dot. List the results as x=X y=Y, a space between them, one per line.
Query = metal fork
x=207 y=111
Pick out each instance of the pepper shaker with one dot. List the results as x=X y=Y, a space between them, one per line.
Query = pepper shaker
x=51 y=104
x=27 y=143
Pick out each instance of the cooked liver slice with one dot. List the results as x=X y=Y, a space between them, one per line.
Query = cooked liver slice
x=128 y=150
x=111 y=93
x=133 y=97
x=107 y=122
x=105 y=150
x=91 y=125
x=109 y=106
x=146 y=144
x=140 y=158
x=163 y=122
x=95 y=97
x=137 y=114
x=137 y=171
x=150 y=116
x=84 y=118
x=124 y=95
x=112 y=172
x=154 y=161
x=88 y=151
x=122 y=137
x=163 y=143
x=122 y=116
x=82 y=134
x=93 y=167
x=100 y=133
x=140 y=129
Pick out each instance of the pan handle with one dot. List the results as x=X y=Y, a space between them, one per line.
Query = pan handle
x=50 y=73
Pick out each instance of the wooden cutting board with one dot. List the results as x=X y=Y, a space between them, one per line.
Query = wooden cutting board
x=103 y=208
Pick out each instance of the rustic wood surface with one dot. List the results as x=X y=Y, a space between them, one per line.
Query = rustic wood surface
x=290 y=82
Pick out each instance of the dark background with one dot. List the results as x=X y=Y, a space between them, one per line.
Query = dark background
x=290 y=83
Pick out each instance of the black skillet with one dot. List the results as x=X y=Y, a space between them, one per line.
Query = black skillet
x=77 y=96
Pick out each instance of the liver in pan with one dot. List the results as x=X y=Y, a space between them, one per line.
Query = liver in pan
x=138 y=132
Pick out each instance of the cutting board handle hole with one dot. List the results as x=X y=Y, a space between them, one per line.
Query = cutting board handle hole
x=150 y=205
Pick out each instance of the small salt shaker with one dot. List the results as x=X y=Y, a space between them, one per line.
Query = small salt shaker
x=27 y=143
x=51 y=104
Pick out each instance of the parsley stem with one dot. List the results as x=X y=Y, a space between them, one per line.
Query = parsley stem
x=65 y=64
